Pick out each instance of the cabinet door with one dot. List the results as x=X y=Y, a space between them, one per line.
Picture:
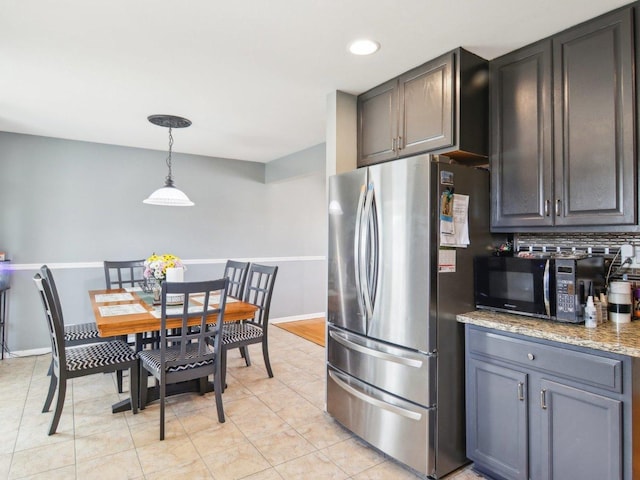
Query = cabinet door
x=521 y=141
x=594 y=123
x=496 y=409
x=378 y=124
x=581 y=434
x=426 y=107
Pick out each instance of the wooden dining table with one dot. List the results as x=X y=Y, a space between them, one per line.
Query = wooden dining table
x=123 y=312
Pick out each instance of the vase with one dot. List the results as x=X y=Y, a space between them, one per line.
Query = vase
x=157 y=290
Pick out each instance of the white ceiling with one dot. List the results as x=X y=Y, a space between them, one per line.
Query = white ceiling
x=252 y=75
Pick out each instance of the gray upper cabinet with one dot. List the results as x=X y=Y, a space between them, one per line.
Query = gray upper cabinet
x=378 y=124
x=594 y=122
x=563 y=129
x=426 y=110
x=521 y=138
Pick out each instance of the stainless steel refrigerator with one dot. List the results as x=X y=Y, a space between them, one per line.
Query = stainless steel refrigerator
x=395 y=353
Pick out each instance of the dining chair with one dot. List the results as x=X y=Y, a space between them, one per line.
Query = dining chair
x=187 y=352
x=121 y=274
x=236 y=272
x=79 y=361
x=257 y=291
x=78 y=333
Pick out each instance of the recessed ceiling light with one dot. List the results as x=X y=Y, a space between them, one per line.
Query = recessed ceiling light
x=364 y=47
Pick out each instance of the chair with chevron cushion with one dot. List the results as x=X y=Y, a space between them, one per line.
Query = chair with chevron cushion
x=121 y=274
x=184 y=352
x=236 y=272
x=79 y=361
x=79 y=333
x=258 y=291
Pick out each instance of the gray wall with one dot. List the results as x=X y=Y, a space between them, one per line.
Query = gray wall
x=299 y=164
x=74 y=204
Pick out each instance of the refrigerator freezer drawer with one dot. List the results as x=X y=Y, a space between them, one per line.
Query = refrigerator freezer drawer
x=398 y=428
x=405 y=373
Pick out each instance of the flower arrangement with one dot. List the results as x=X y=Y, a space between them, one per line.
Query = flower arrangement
x=156 y=265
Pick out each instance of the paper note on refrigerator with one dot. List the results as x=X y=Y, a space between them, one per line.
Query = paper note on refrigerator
x=446 y=260
x=459 y=237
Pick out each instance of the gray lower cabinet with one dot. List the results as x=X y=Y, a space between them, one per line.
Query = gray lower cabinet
x=497 y=427
x=542 y=411
x=576 y=424
x=563 y=125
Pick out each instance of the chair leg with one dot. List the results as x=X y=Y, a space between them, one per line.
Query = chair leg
x=217 y=390
x=134 y=388
x=119 y=380
x=62 y=391
x=203 y=385
x=162 y=395
x=245 y=354
x=223 y=370
x=143 y=388
x=267 y=363
x=53 y=385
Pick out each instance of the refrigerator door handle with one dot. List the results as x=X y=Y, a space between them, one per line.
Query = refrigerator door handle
x=375 y=252
x=374 y=401
x=357 y=246
x=351 y=345
x=366 y=236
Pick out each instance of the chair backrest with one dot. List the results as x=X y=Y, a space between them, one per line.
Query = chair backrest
x=236 y=272
x=53 y=313
x=259 y=289
x=48 y=275
x=125 y=273
x=205 y=300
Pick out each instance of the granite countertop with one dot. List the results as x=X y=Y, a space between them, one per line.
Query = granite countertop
x=610 y=337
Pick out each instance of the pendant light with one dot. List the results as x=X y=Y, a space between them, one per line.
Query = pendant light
x=169 y=195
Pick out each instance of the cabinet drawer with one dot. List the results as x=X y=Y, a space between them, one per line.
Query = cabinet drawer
x=396 y=370
x=401 y=429
x=585 y=368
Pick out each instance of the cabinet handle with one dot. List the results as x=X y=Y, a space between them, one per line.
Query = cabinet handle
x=521 y=391
x=546 y=208
x=543 y=399
x=400 y=146
x=393 y=144
x=558 y=208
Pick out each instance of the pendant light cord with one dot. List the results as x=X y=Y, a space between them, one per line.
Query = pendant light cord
x=169 y=178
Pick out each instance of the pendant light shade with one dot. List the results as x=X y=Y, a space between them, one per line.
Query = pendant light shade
x=169 y=195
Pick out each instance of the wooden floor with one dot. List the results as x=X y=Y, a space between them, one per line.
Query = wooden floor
x=312 y=329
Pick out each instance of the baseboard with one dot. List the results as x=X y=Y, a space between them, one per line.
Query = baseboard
x=295 y=318
x=27 y=353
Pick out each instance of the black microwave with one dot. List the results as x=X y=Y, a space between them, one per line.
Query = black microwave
x=542 y=287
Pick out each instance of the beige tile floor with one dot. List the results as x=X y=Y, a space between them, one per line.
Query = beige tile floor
x=275 y=428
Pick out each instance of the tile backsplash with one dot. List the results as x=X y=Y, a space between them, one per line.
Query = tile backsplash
x=607 y=244
x=580 y=241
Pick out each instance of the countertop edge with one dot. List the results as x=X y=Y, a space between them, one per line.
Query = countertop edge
x=622 y=339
